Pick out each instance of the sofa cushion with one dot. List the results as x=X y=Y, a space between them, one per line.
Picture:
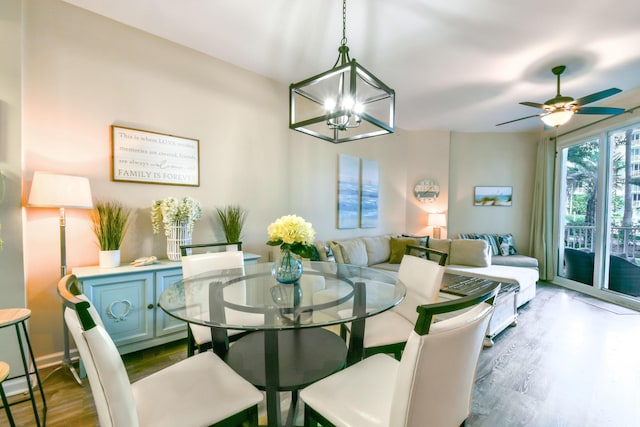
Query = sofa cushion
x=525 y=277
x=515 y=261
x=442 y=245
x=378 y=249
x=399 y=246
x=474 y=253
x=353 y=252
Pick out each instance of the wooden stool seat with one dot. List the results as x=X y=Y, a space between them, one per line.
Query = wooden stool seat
x=18 y=317
x=4 y=373
x=11 y=316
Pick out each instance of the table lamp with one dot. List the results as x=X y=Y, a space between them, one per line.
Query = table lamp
x=50 y=190
x=437 y=220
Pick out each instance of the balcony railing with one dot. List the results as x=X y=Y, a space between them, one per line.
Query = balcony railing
x=623 y=241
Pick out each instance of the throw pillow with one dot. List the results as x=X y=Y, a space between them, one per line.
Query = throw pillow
x=399 y=247
x=354 y=252
x=474 y=253
x=337 y=253
x=422 y=240
x=491 y=239
x=468 y=236
x=321 y=248
x=507 y=245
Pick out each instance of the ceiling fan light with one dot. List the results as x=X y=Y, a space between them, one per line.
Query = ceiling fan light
x=557 y=118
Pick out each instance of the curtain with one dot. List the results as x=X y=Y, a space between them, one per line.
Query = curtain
x=541 y=241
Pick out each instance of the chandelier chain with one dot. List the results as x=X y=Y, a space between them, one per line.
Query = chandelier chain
x=344 y=23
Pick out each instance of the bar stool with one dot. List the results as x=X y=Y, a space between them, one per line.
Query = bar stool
x=17 y=317
x=4 y=373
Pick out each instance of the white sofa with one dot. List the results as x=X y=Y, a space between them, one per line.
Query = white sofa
x=466 y=257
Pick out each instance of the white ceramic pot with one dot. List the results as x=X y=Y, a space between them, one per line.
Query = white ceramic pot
x=110 y=259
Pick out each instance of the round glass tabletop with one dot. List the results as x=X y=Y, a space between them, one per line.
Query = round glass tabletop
x=249 y=298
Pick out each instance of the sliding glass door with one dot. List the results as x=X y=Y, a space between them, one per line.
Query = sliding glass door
x=598 y=216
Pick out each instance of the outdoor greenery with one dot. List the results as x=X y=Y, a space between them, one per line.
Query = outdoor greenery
x=582 y=181
x=110 y=221
x=232 y=218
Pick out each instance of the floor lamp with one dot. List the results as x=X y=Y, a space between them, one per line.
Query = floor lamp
x=63 y=192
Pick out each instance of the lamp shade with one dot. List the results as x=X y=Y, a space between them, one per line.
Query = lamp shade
x=438 y=220
x=557 y=118
x=50 y=190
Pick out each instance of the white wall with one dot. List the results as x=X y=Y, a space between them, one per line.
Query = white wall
x=492 y=159
x=427 y=158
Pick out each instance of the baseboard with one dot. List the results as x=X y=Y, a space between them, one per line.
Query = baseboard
x=19 y=385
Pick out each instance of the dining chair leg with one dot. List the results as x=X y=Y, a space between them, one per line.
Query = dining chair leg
x=191 y=343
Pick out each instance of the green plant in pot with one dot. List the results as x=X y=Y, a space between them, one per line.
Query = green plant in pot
x=232 y=218
x=110 y=221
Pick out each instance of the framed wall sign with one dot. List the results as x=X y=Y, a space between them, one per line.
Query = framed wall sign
x=154 y=158
x=492 y=196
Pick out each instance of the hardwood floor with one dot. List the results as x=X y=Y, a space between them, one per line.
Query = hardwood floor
x=571 y=361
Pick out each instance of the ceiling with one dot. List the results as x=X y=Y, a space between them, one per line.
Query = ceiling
x=460 y=65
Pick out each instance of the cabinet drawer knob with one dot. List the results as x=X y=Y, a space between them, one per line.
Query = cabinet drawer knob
x=122 y=312
x=150 y=306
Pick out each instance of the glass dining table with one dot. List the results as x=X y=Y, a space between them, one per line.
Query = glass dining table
x=289 y=342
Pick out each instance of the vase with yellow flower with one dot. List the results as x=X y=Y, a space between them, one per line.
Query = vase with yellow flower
x=295 y=236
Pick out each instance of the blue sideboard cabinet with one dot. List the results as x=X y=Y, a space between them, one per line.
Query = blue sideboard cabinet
x=126 y=298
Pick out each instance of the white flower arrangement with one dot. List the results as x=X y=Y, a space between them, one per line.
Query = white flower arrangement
x=186 y=211
x=292 y=233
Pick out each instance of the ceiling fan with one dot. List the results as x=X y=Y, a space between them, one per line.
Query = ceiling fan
x=558 y=110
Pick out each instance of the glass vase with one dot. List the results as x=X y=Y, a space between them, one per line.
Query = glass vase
x=287 y=269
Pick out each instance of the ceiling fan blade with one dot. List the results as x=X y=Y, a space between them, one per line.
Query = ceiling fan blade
x=600 y=110
x=596 y=96
x=521 y=118
x=533 y=104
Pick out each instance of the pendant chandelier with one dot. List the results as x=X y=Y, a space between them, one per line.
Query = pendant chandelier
x=344 y=103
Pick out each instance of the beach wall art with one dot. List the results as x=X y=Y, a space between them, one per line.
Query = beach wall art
x=358 y=190
x=493 y=196
x=369 y=186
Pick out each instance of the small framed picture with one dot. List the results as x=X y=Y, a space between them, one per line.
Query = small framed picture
x=493 y=196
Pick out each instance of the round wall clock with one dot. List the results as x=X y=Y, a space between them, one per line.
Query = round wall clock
x=426 y=190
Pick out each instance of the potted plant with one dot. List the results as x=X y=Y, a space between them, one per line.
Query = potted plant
x=110 y=221
x=232 y=218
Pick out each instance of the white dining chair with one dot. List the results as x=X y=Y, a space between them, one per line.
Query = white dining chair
x=200 y=337
x=431 y=385
x=388 y=332
x=197 y=391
